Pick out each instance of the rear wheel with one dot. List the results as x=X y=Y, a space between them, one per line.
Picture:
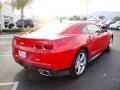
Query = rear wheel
x=110 y=45
x=79 y=64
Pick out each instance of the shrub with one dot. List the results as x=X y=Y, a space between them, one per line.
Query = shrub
x=75 y=18
x=11 y=30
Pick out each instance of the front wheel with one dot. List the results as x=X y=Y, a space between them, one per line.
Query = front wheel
x=79 y=64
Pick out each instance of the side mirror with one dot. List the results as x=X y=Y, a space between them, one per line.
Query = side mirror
x=104 y=29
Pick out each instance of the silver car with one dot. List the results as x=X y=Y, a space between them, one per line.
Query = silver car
x=115 y=26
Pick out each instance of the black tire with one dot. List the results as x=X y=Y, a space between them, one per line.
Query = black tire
x=118 y=28
x=110 y=46
x=74 y=68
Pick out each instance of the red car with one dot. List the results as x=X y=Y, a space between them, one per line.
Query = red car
x=61 y=48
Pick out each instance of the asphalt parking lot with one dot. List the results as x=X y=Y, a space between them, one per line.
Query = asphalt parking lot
x=101 y=74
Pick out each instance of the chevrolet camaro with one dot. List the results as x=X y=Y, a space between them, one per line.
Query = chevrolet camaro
x=57 y=49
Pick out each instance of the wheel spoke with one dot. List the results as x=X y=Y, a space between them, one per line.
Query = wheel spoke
x=76 y=66
x=79 y=70
x=81 y=64
x=110 y=43
x=82 y=57
x=78 y=58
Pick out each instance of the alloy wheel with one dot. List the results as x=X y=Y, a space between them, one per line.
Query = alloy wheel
x=110 y=43
x=80 y=63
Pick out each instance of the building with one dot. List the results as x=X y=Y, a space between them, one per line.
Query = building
x=6 y=15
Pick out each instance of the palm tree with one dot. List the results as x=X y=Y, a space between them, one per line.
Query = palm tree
x=20 y=5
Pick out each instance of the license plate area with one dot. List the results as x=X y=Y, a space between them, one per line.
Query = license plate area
x=22 y=53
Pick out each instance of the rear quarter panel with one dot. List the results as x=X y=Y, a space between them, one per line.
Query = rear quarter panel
x=68 y=48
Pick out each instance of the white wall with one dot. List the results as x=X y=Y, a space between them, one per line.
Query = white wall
x=6 y=11
x=1 y=20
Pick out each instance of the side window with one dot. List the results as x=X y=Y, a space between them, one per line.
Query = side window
x=85 y=30
x=93 y=28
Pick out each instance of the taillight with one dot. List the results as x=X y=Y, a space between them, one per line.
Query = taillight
x=48 y=45
x=38 y=45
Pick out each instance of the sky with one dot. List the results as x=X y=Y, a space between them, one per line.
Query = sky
x=52 y=8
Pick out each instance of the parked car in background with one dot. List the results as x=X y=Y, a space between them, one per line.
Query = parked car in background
x=27 y=23
x=58 y=49
x=115 y=26
x=108 y=23
x=8 y=24
x=11 y=25
x=101 y=23
x=93 y=20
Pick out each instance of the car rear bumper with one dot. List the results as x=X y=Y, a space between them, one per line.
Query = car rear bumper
x=44 y=71
x=54 y=60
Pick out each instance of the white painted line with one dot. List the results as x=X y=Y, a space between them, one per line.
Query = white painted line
x=3 y=84
x=5 y=55
x=5 y=37
x=7 y=51
x=15 y=84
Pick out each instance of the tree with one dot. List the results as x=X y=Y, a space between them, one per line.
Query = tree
x=20 y=5
x=84 y=18
x=75 y=18
x=117 y=18
x=101 y=17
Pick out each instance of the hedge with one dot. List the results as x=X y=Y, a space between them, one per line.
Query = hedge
x=16 y=30
x=11 y=30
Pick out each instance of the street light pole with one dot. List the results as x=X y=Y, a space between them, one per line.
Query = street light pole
x=12 y=2
x=86 y=5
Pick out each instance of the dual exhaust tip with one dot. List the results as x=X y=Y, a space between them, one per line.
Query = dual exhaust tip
x=44 y=72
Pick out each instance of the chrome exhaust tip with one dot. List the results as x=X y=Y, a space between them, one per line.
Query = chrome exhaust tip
x=44 y=72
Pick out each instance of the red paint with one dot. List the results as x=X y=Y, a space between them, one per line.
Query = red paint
x=57 y=51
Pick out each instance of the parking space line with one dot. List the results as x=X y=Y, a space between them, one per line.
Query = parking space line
x=5 y=55
x=15 y=84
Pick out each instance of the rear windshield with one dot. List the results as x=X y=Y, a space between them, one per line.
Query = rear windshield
x=53 y=28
